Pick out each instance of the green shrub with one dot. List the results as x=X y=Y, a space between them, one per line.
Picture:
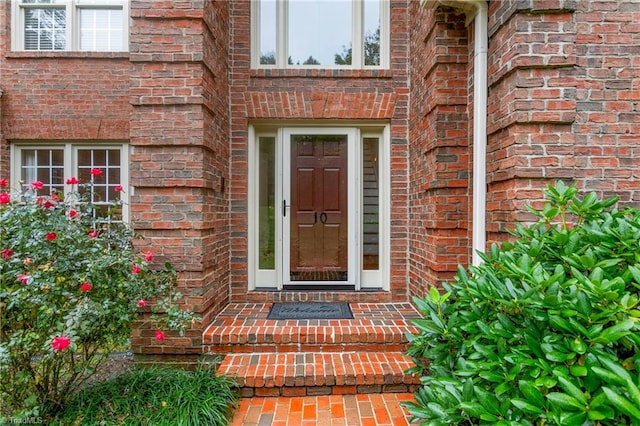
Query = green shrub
x=71 y=285
x=545 y=331
x=155 y=396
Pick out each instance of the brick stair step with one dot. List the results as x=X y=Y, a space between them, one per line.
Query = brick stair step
x=274 y=336
x=299 y=374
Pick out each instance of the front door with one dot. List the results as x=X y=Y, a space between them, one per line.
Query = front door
x=318 y=225
x=319 y=208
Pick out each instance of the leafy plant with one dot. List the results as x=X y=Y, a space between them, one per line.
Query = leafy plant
x=71 y=284
x=155 y=396
x=545 y=331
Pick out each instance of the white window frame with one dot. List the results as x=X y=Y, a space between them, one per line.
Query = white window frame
x=72 y=35
x=364 y=279
x=282 y=36
x=71 y=165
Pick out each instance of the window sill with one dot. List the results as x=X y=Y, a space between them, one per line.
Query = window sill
x=321 y=73
x=44 y=54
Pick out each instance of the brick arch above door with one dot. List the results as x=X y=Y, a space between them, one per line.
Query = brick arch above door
x=320 y=104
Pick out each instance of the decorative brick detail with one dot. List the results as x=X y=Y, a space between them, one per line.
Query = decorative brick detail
x=319 y=104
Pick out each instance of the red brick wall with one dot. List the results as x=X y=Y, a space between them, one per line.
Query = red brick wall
x=439 y=145
x=179 y=135
x=563 y=102
x=318 y=94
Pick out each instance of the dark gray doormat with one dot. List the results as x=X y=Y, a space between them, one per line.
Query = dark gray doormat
x=310 y=310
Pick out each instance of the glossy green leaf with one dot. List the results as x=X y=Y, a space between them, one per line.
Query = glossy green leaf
x=564 y=401
x=622 y=404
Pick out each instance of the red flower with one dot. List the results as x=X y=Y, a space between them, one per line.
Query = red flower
x=85 y=286
x=95 y=172
x=117 y=188
x=4 y=182
x=7 y=253
x=142 y=303
x=52 y=236
x=4 y=198
x=160 y=335
x=73 y=213
x=60 y=343
x=37 y=185
x=48 y=205
x=135 y=269
x=148 y=256
x=73 y=181
x=55 y=197
x=23 y=278
x=93 y=234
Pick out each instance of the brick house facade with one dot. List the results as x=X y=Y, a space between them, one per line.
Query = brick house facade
x=194 y=114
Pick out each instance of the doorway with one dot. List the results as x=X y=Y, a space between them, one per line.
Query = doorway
x=319 y=208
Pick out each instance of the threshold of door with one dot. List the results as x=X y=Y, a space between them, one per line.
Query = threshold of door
x=319 y=287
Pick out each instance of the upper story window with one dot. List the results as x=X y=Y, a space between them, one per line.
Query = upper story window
x=320 y=33
x=71 y=25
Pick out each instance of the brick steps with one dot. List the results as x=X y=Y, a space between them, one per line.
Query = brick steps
x=311 y=373
x=314 y=357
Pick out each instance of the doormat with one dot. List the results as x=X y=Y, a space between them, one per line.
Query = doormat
x=310 y=310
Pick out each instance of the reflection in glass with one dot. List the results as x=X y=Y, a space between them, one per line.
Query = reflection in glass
x=370 y=205
x=267 y=37
x=319 y=31
x=266 y=204
x=45 y=29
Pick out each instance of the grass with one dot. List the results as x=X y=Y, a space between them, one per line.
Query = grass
x=155 y=396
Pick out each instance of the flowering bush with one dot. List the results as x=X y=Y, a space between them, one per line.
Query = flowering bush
x=71 y=284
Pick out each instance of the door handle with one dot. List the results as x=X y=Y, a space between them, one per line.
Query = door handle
x=315 y=217
x=323 y=218
x=284 y=207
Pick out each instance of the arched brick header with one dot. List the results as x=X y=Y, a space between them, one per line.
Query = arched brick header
x=318 y=104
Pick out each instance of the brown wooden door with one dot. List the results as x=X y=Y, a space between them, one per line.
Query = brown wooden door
x=319 y=216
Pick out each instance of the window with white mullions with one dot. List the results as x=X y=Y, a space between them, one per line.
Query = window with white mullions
x=70 y=25
x=320 y=33
x=103 y=167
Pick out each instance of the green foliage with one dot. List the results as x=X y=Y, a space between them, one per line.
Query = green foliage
x=156 y=396
x=71 y=285
x=545 y=331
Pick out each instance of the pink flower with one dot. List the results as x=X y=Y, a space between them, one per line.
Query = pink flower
x=60 y=343
x=23 y=278
x=95 y=172
x=85 y=286
x=148 y=256
x=93 y=234
x=73 y=213
x=37 y=185
x=55 y=197
x=7 y=253
x=52 y=236
x=135 y=269
x=4 y=182
x=142 y=303
x=117 y=188
x=27 y=261
x=160 y=335
x=4 y=198
x=73 y=181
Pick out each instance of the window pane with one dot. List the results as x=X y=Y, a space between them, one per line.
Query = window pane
x=266 y=194
x=44 y=29
x=371 y=205
x=101 y=29
x=45 y=165
x=319 y=31
x=107 y=161
x=372 y=32
x=267 y=39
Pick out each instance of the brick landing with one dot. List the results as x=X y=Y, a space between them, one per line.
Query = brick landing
x=329 y=410
x=300 y=358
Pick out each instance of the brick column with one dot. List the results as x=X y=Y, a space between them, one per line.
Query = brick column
x=439 y=155
x=180 y=154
